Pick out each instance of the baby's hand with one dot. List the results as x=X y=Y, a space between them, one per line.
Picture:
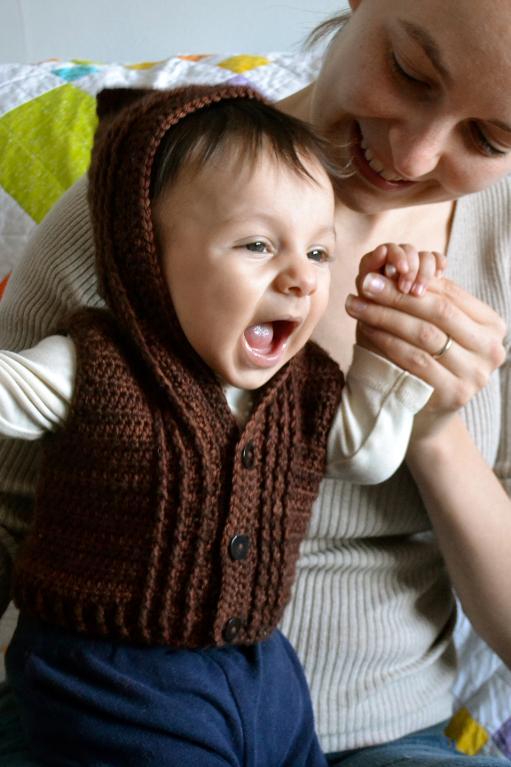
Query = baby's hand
x=411 y=269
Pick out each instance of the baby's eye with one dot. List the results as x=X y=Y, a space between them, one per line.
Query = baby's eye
x=258 y=246
x=320 y=255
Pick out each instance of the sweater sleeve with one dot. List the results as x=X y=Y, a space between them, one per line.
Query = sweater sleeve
x=36 y=386
x=371 y=430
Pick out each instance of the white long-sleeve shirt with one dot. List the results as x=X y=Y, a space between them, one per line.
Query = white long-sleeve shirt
x=367 y=441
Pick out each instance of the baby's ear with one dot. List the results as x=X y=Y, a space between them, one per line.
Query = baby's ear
x=110 y=101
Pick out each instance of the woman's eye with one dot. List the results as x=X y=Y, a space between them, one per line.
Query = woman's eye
x=483 y=144
x=319 y=255
x=258 y=246
x=402 y=73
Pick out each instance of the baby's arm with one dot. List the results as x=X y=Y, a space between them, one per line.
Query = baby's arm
x=36 y=387
x=370 y=433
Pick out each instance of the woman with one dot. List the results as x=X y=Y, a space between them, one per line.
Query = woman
x=409 y=94
x=414 y=99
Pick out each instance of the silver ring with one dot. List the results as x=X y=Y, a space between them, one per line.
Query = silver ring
x=445 y=348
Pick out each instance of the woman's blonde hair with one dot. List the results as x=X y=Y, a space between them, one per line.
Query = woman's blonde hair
x=326 y=28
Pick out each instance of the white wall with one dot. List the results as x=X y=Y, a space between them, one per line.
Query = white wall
x=148 y=30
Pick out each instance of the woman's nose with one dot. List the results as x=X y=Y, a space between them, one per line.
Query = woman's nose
x=297 y=276
x=417 y=149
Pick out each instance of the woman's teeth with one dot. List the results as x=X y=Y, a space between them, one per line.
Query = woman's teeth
x=376 y=164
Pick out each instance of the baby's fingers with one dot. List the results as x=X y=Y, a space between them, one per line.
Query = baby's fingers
x=397 y=260
x=410 y=269
x=373 y=261
x=402 y=265
x=441 y=263
x=430 y=265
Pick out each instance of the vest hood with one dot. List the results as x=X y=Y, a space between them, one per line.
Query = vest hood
x=128 y=265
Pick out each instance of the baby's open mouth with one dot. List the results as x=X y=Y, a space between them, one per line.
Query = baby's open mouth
x=267 y=340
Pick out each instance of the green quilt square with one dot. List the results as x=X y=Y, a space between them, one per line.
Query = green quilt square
x=45 y=147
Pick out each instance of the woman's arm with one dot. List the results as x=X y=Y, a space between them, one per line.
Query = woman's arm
x=468 y=506
x=55 y=276
x=471 y=515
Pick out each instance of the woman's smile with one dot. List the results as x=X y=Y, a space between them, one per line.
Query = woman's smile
x=371 y=168
x=417 y=119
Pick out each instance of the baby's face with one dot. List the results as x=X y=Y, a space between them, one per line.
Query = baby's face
x=246 y=252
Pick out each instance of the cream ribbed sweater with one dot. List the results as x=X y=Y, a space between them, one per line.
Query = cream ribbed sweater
x=372 y=614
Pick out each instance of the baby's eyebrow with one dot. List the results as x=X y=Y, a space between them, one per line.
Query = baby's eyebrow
x=328 y=230
x=252 y=215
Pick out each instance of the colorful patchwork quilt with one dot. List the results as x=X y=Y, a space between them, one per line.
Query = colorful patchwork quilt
x=47 y=121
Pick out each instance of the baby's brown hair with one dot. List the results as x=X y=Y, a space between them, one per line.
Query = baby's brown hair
x=243 y=126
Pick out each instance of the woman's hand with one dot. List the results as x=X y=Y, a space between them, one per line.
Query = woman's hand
x=414 y=333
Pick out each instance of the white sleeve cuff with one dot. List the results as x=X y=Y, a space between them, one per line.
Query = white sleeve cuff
x=36 y=387
x=372 y=427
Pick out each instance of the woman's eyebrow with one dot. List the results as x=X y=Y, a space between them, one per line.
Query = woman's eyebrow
x=432 y=51
x=499 y=124
x=428 y=45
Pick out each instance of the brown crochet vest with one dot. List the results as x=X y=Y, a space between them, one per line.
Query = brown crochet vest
x=156 y=520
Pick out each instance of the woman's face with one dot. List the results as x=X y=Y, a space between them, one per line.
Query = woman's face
x=416 y=98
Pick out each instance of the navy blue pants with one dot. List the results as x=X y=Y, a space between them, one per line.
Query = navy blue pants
x=103 y=704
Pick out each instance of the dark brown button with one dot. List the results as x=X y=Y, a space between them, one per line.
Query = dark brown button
x=248 y=455
x=239 y=546
x=232 y=629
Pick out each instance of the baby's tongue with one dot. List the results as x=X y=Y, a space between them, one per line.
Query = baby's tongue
x=260 y=337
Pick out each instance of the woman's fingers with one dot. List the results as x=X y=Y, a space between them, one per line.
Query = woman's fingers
x=455 y=379
x=446 y=309
x=468 y=303
x=412 y=332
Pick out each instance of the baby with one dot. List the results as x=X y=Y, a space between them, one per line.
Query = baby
x=189 y=425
